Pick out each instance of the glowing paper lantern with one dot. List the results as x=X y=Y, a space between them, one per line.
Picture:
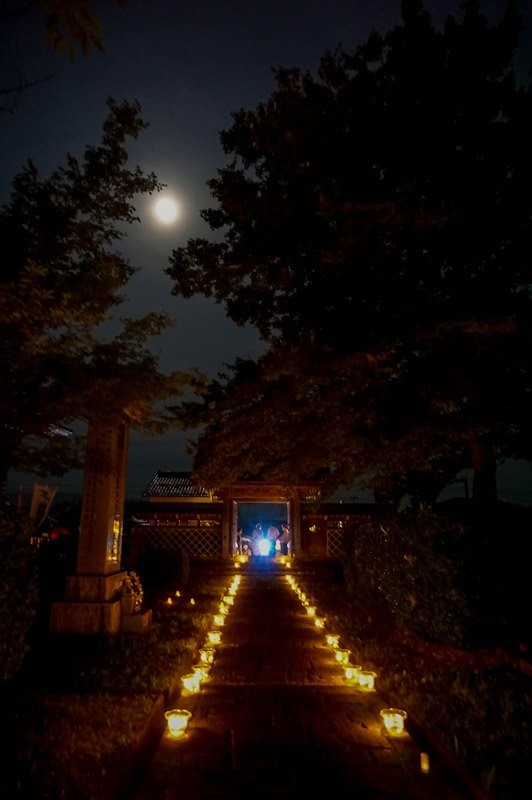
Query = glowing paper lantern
x=177 y=720
x=342 y=656
x=351 y=672
x=214 y=637
x=366 y=680
x=332 y=639
x=219 y=620
x=264 y=547
x=191 y=682
x=206 y=655
x=394 y=720
x=311 y=611
x=202 y=670
x=319 y=622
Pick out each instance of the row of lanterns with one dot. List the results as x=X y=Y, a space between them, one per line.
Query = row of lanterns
x=393 y=718
x=243 y=558
x=171 y=600
x=178 y=718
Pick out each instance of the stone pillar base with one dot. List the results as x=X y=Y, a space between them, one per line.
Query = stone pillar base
x=93 y=588
x=72 y=617
x=93 y=604
x=136 y=623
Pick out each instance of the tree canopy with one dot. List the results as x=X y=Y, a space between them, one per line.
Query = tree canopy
x=73 y=23
x=373 y=221
x=60 y=288
x=69 y=26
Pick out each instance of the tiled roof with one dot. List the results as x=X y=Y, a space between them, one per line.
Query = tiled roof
x=173 y=484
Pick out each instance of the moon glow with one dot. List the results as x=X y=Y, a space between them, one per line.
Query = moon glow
x=166 y=210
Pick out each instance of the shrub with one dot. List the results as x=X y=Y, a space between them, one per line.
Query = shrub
x=164 y=570
x=412 y=564
x=18 y=588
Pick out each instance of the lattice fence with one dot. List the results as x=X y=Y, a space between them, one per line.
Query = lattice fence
x=335 y=542
x=193 y=540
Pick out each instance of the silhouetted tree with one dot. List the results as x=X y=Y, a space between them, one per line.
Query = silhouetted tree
x=374 y=223
x=68 y=26
x=65 y=355
x=73 y=24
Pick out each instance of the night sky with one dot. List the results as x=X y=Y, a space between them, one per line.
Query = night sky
x=189 y=65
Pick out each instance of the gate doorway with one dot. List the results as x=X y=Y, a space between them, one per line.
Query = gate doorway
x=250 y=501
x=249 y=517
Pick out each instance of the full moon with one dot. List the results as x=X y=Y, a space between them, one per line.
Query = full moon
x=166 y=210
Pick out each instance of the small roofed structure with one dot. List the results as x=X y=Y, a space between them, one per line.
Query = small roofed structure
x=175 y=485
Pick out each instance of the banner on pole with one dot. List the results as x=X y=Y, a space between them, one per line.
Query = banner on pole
x=42 y=498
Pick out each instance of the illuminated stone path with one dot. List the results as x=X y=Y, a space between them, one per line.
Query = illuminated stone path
x=276 y=719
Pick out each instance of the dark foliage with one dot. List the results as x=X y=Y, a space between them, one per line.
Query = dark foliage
x=18 y=588
x=61 y=284
x=373 y=222
x=164 y=569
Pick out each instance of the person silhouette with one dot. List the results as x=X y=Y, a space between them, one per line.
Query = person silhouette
x=272 y=534
x=256 y=536
x=284 y=539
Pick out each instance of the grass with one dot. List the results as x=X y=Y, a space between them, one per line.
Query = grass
x=473 y=704
x=80 y=703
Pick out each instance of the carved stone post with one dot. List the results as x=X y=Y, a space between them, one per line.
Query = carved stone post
x=100 y=542
x=92 y=596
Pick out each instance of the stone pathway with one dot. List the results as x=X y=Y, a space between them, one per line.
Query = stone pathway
x=277 y=720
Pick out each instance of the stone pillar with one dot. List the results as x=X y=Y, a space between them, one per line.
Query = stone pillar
x=227 y=525
x=102 y=509
x=92 y=598
x=295 y=525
